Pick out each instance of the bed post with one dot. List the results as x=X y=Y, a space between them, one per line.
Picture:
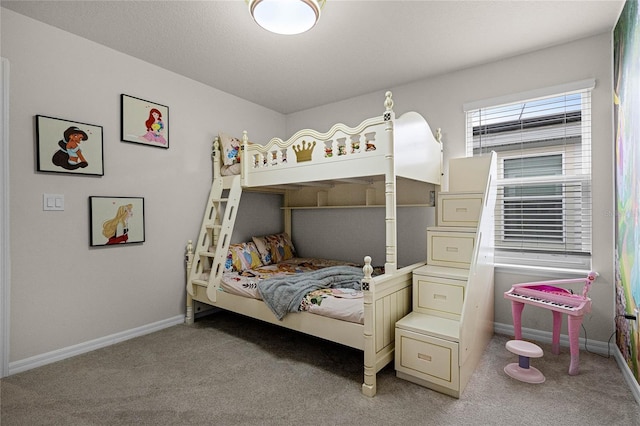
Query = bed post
x=369 y=385
x=286 y=212
x=215 y=157
x=244 y=162
x=390 y=191
x=188 y=318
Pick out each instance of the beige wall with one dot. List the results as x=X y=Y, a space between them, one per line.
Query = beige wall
x=64 y=293
x=440 y=100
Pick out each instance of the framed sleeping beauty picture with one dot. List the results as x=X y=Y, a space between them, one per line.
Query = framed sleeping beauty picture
x=116 y=220
x=144 y=122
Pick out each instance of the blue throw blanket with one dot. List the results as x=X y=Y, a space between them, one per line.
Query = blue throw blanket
x=284 y=294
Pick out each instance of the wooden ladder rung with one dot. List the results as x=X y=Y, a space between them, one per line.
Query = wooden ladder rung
x=208 y=254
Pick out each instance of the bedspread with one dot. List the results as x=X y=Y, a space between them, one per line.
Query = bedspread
x=285 y=294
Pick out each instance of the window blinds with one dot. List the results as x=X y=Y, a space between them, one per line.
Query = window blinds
x=543 y=147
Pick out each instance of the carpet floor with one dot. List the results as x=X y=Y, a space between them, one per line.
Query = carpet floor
x=231 y=370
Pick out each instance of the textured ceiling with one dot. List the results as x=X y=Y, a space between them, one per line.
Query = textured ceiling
x=358 y=47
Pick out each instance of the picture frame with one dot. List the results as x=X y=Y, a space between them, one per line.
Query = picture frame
x=66 y=146
x=116 y=220
x=144 y=122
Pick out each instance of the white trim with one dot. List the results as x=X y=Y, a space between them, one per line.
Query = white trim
x=5 y=252
x=602 y=348
x=68 y=352
x=627 y=374
x=588 y=84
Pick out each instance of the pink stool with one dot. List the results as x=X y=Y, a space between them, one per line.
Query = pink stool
x=522 y=370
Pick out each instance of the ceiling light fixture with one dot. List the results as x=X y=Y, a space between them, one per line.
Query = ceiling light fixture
x=286 y=16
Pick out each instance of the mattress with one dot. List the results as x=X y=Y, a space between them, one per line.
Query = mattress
x=342 y=304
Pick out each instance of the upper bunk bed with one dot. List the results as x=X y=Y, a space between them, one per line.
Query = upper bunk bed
x=402 y=147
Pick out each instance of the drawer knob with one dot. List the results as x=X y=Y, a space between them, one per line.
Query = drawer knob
x=452 y=249
x=461 y=210
x=439 y=297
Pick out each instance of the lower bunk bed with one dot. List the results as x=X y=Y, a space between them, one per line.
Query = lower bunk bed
x=353 y=305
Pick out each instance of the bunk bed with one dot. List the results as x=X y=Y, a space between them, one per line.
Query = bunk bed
x=383 y=162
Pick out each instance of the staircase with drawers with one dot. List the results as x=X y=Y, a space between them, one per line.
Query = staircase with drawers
x=439 y=344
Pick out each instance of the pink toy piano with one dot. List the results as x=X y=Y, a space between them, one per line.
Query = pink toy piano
x=547 y=294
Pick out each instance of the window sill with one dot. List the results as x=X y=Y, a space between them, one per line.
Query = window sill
x=542 y=271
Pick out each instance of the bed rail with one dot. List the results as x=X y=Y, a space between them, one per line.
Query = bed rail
x=342 y=152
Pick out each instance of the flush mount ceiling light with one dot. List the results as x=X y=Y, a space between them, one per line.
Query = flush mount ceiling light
x=286 y=16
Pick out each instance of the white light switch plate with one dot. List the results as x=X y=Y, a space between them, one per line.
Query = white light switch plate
x=53 y=202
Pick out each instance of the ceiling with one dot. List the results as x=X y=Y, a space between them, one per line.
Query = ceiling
x=358 y=47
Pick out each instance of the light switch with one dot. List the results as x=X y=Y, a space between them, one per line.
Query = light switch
x=53 y=202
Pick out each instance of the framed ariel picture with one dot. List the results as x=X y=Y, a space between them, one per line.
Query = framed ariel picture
x=66 y=146
x=144 y=122
x=116 y=220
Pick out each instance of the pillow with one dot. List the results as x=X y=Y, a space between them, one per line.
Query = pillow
x=243 y=256
x=230 y=147
x=230 y=170
x=275 y=248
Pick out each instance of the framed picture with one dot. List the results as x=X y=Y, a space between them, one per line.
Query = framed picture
x=144 y=122
x=116 y=220
x=65 y=146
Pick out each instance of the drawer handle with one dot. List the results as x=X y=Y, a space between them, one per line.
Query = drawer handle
x=440 y=296
x=452 y=249
x=425 y=357
x=461 y=209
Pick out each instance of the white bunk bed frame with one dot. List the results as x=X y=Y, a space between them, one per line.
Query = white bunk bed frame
x=405 y=150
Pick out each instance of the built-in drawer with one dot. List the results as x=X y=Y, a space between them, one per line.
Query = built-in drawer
x=438 y=296
x=459 y=209
x=427 y=358
x=450 y=248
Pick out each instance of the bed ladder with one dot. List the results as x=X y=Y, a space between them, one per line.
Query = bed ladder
x=213 y=240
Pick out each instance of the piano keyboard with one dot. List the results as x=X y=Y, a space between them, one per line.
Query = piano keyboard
x=570 y=307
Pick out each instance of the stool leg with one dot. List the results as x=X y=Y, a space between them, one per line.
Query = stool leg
x=557 y=325
x=524 y=361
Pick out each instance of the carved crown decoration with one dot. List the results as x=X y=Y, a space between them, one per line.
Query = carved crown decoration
x=304 y=153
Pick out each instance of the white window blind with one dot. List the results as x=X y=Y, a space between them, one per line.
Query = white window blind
x=543 y=147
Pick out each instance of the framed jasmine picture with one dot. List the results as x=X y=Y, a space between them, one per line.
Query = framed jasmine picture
x=116 y=220
x=65 y=146
x=144 y=122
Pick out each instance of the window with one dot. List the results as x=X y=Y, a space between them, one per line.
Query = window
x=543 y=147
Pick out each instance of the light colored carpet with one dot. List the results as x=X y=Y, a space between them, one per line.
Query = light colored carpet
x=230 y=370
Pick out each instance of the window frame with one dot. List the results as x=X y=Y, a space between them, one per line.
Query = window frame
x=574 y=255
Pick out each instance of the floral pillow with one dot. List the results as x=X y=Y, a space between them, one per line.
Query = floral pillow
x=275 y=248
x=242 y=256
x=230 y=149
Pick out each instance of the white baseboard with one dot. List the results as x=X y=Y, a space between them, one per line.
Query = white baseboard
x=60 y=354
x=627 y=374
x=602 y=348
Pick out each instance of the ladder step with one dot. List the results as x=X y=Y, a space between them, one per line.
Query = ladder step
x=208 y=254
x=220 y=200
x=213 y=226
